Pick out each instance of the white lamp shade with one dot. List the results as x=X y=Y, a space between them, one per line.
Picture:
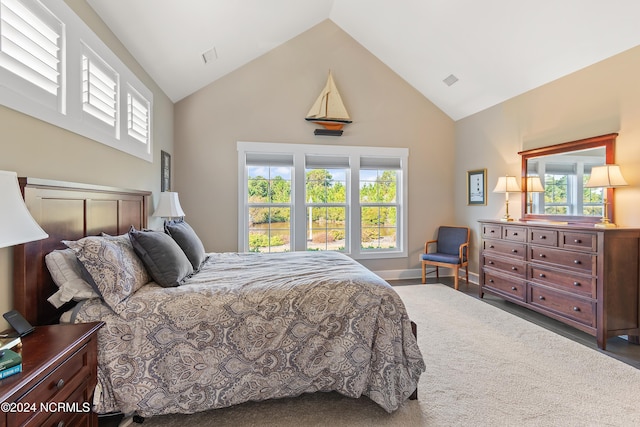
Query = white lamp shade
x=16 y=224
x=607 y=176
x=169 y=205
x=534 y=185
x=507 y=184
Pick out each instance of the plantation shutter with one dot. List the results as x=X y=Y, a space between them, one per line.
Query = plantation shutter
x=99 y=89
x=31 y=43
x=138 y=117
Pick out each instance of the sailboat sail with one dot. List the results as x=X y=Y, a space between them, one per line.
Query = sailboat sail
x=329 y=110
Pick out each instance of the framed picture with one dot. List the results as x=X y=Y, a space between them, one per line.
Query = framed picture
x=165 y=171
x=477 y=187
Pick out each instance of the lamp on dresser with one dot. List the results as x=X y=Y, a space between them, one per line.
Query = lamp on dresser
x=534 y=185
x=169 y=205
x=507 y=184
x=607 y=176
x=17 y=226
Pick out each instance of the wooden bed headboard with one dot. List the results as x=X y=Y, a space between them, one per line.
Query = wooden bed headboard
x=66 y=211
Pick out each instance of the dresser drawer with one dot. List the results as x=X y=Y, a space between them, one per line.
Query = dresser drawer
x=543 y=237
x=512 y=287
x=516 y=234
x=57 y=386
x=583 y=241
x=512 y=249
x=490 y=231
x=573 y=307
x=76 y=411
x=580 y=261
x=575 y=283
x=509 y=266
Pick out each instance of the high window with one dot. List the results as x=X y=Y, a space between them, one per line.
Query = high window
x=54 y=68
x=311 y=197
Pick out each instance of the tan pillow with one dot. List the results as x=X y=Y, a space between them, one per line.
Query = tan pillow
x=66 y=274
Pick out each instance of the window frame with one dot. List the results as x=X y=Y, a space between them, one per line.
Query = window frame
x=353 y=205
x=66 y=110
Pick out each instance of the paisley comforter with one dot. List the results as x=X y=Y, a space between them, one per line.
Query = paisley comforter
x=254 y=327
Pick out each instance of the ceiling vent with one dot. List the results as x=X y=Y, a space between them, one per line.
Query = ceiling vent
x=210 y=55
x=450 y=80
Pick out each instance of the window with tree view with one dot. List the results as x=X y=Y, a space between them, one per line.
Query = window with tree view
x=269 y=194
x=297 y=197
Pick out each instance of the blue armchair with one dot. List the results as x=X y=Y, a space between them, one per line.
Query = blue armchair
x=450 y=250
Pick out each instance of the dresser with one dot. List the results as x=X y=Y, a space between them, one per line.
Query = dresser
x=586 y=277
x=59 y=374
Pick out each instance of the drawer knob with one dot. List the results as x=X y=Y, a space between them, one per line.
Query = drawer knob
x=515 y=251
x=543 y=256
x=60 y=424
x=576 y=261
x=492 y=231
x=577 y=241
x=490 y=280
x=543 y=237
x=60 y=384
x=542 y=275
x=515 y=234
x=576 y=284
x=541 y=298
x=490 y=262
x=491 y=246
x=576 y=308
x=514 y=268
x=513 y=288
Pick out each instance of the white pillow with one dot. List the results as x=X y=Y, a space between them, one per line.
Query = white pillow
x=66 y=274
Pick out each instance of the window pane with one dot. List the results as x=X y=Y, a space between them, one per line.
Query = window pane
x=269 y=184
x=379 y=227
x=326 y=185
x=378 y=186
x=269 y=229
x=326 y=228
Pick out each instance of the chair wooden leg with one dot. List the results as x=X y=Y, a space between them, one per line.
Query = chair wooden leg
x=424 y=273
x=455 y=278
x=466 y=269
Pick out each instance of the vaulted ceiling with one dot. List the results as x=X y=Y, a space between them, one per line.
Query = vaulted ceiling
x=497 y=49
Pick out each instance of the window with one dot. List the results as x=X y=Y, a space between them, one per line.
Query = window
x=298 y=197
x=54 y=68
x=31 y=48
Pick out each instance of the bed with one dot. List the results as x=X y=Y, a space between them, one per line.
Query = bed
x=245 y=327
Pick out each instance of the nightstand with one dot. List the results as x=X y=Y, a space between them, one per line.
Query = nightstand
x=59 y=374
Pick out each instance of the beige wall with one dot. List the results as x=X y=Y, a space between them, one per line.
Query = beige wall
x=597 y=100
x=266 y=101
x=34 y=148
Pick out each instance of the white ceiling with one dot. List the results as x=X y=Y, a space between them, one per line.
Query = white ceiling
x=497 y=48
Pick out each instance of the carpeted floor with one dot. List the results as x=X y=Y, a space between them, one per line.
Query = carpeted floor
x=485 y=367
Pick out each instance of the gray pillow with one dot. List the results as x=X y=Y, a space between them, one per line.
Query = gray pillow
x=188 y=240
x=161 y=255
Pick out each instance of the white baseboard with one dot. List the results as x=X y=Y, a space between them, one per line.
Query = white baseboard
x=416 y=273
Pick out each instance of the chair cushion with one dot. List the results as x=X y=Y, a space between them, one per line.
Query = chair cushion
x=450 y=239
x=440 y=257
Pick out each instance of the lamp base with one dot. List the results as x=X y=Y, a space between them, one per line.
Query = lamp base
x=507 y=219
x=605 y=225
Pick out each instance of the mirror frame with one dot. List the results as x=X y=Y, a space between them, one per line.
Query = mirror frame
x=606 y=141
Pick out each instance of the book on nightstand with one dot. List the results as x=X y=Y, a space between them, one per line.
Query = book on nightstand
x=9 y=359
x=11 y=371
x=10 y=343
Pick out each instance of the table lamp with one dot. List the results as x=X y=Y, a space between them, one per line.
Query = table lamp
x=169 y=205
x=17 y=226
x=534 y=185
x=506 y=184
x=607 y=176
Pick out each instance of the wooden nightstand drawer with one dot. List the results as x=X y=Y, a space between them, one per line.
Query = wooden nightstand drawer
x=579 y=309
x=75 y=412
x=55 y=387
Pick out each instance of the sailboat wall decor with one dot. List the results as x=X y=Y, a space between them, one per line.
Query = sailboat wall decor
x=329 y=111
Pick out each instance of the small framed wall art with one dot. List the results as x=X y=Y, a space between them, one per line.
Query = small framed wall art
x=165 y=171
x=477 y=187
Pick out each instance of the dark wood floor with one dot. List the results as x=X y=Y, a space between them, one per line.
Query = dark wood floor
x=617 y=348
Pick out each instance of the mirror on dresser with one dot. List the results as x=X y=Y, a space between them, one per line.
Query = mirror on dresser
x=563 y=170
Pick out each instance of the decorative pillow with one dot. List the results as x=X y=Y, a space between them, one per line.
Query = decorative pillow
x=188 y=241
x=165 y=261
x=113 y=268
x=65 y=271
